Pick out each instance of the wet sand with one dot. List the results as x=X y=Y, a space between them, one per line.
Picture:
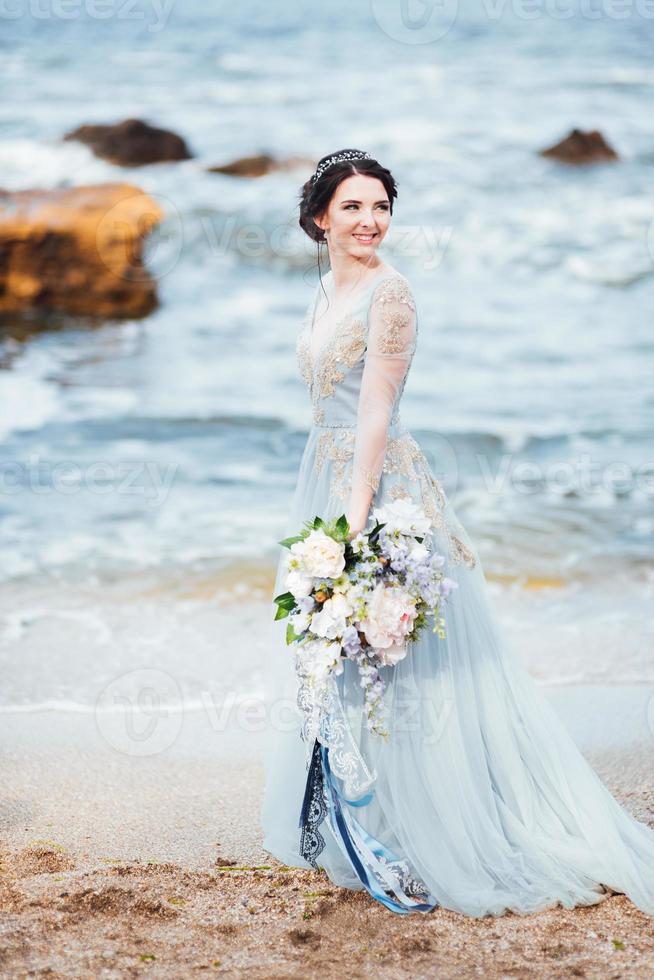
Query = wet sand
x=117 y=864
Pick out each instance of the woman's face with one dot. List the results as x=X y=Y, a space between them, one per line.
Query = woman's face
x=357 y=218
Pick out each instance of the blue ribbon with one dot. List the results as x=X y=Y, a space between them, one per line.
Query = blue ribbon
x=401 y=903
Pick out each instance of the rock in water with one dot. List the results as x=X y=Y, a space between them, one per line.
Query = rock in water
x=581 y=147
x=260 y=165
x=77 y=249
x=131 y=143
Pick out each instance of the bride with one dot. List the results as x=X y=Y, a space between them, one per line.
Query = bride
x=479 y=801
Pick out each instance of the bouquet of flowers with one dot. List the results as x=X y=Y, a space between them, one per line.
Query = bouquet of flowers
x=363 y=599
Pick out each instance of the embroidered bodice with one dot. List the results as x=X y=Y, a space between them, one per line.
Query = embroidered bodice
x=382 y=323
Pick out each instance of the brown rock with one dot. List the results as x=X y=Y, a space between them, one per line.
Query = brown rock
x=259 y=165
x=581 y=147
x=77 y=249
x=131 y=143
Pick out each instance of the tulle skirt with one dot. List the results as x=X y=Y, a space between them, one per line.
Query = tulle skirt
x=480 y=789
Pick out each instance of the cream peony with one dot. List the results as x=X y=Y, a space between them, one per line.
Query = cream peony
x=390 y=617
x=392 y=655
x=331 y=621
x=321 y=556
x=404 y=516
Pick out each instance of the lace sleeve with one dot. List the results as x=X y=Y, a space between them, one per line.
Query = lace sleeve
x=390 y=346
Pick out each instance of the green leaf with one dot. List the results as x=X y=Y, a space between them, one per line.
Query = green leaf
x=285 y=599
x=342 y=525
x=285 y=604
x=374 y=534
x=291 y=635
x=287 y=542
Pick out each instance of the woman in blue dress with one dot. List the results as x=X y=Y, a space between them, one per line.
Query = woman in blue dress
x=479 y=800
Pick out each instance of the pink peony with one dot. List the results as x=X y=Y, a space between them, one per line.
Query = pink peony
x=390 y=617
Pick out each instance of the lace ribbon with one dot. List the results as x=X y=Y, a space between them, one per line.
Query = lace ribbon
x=324 y=720
x=314 y=810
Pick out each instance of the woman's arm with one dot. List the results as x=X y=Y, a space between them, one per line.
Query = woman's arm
x=390 y=346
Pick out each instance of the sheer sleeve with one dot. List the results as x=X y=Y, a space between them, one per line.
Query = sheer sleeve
x=392 y=330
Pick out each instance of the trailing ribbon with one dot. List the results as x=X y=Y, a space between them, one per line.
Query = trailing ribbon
x=314 y=810
x=385 y=876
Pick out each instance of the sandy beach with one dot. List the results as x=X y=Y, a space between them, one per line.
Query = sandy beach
x=120 y=864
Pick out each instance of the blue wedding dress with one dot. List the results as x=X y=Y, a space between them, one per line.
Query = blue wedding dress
x=479 y=801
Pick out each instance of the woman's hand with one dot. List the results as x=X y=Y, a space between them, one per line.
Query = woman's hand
x=355 y=528
x=357 y=521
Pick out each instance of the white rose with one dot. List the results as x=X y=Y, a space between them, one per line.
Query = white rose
x=391 y=613
x=322 y=557
x=404 y=516
x=319 y=659
x=296 y=554
x=299 y=584
x=300 y=621
x=418 y=552
x=331 y=621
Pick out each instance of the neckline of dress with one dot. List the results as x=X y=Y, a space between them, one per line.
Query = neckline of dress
x=341 y=320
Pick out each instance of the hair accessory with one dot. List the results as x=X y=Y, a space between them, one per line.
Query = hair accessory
x=338 y=158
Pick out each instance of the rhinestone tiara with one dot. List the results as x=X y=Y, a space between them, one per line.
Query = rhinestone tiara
x=338 y=158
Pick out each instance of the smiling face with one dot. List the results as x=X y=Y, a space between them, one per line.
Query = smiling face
x=357 y=218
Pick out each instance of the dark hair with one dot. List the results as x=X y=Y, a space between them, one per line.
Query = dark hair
x=315 y=196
